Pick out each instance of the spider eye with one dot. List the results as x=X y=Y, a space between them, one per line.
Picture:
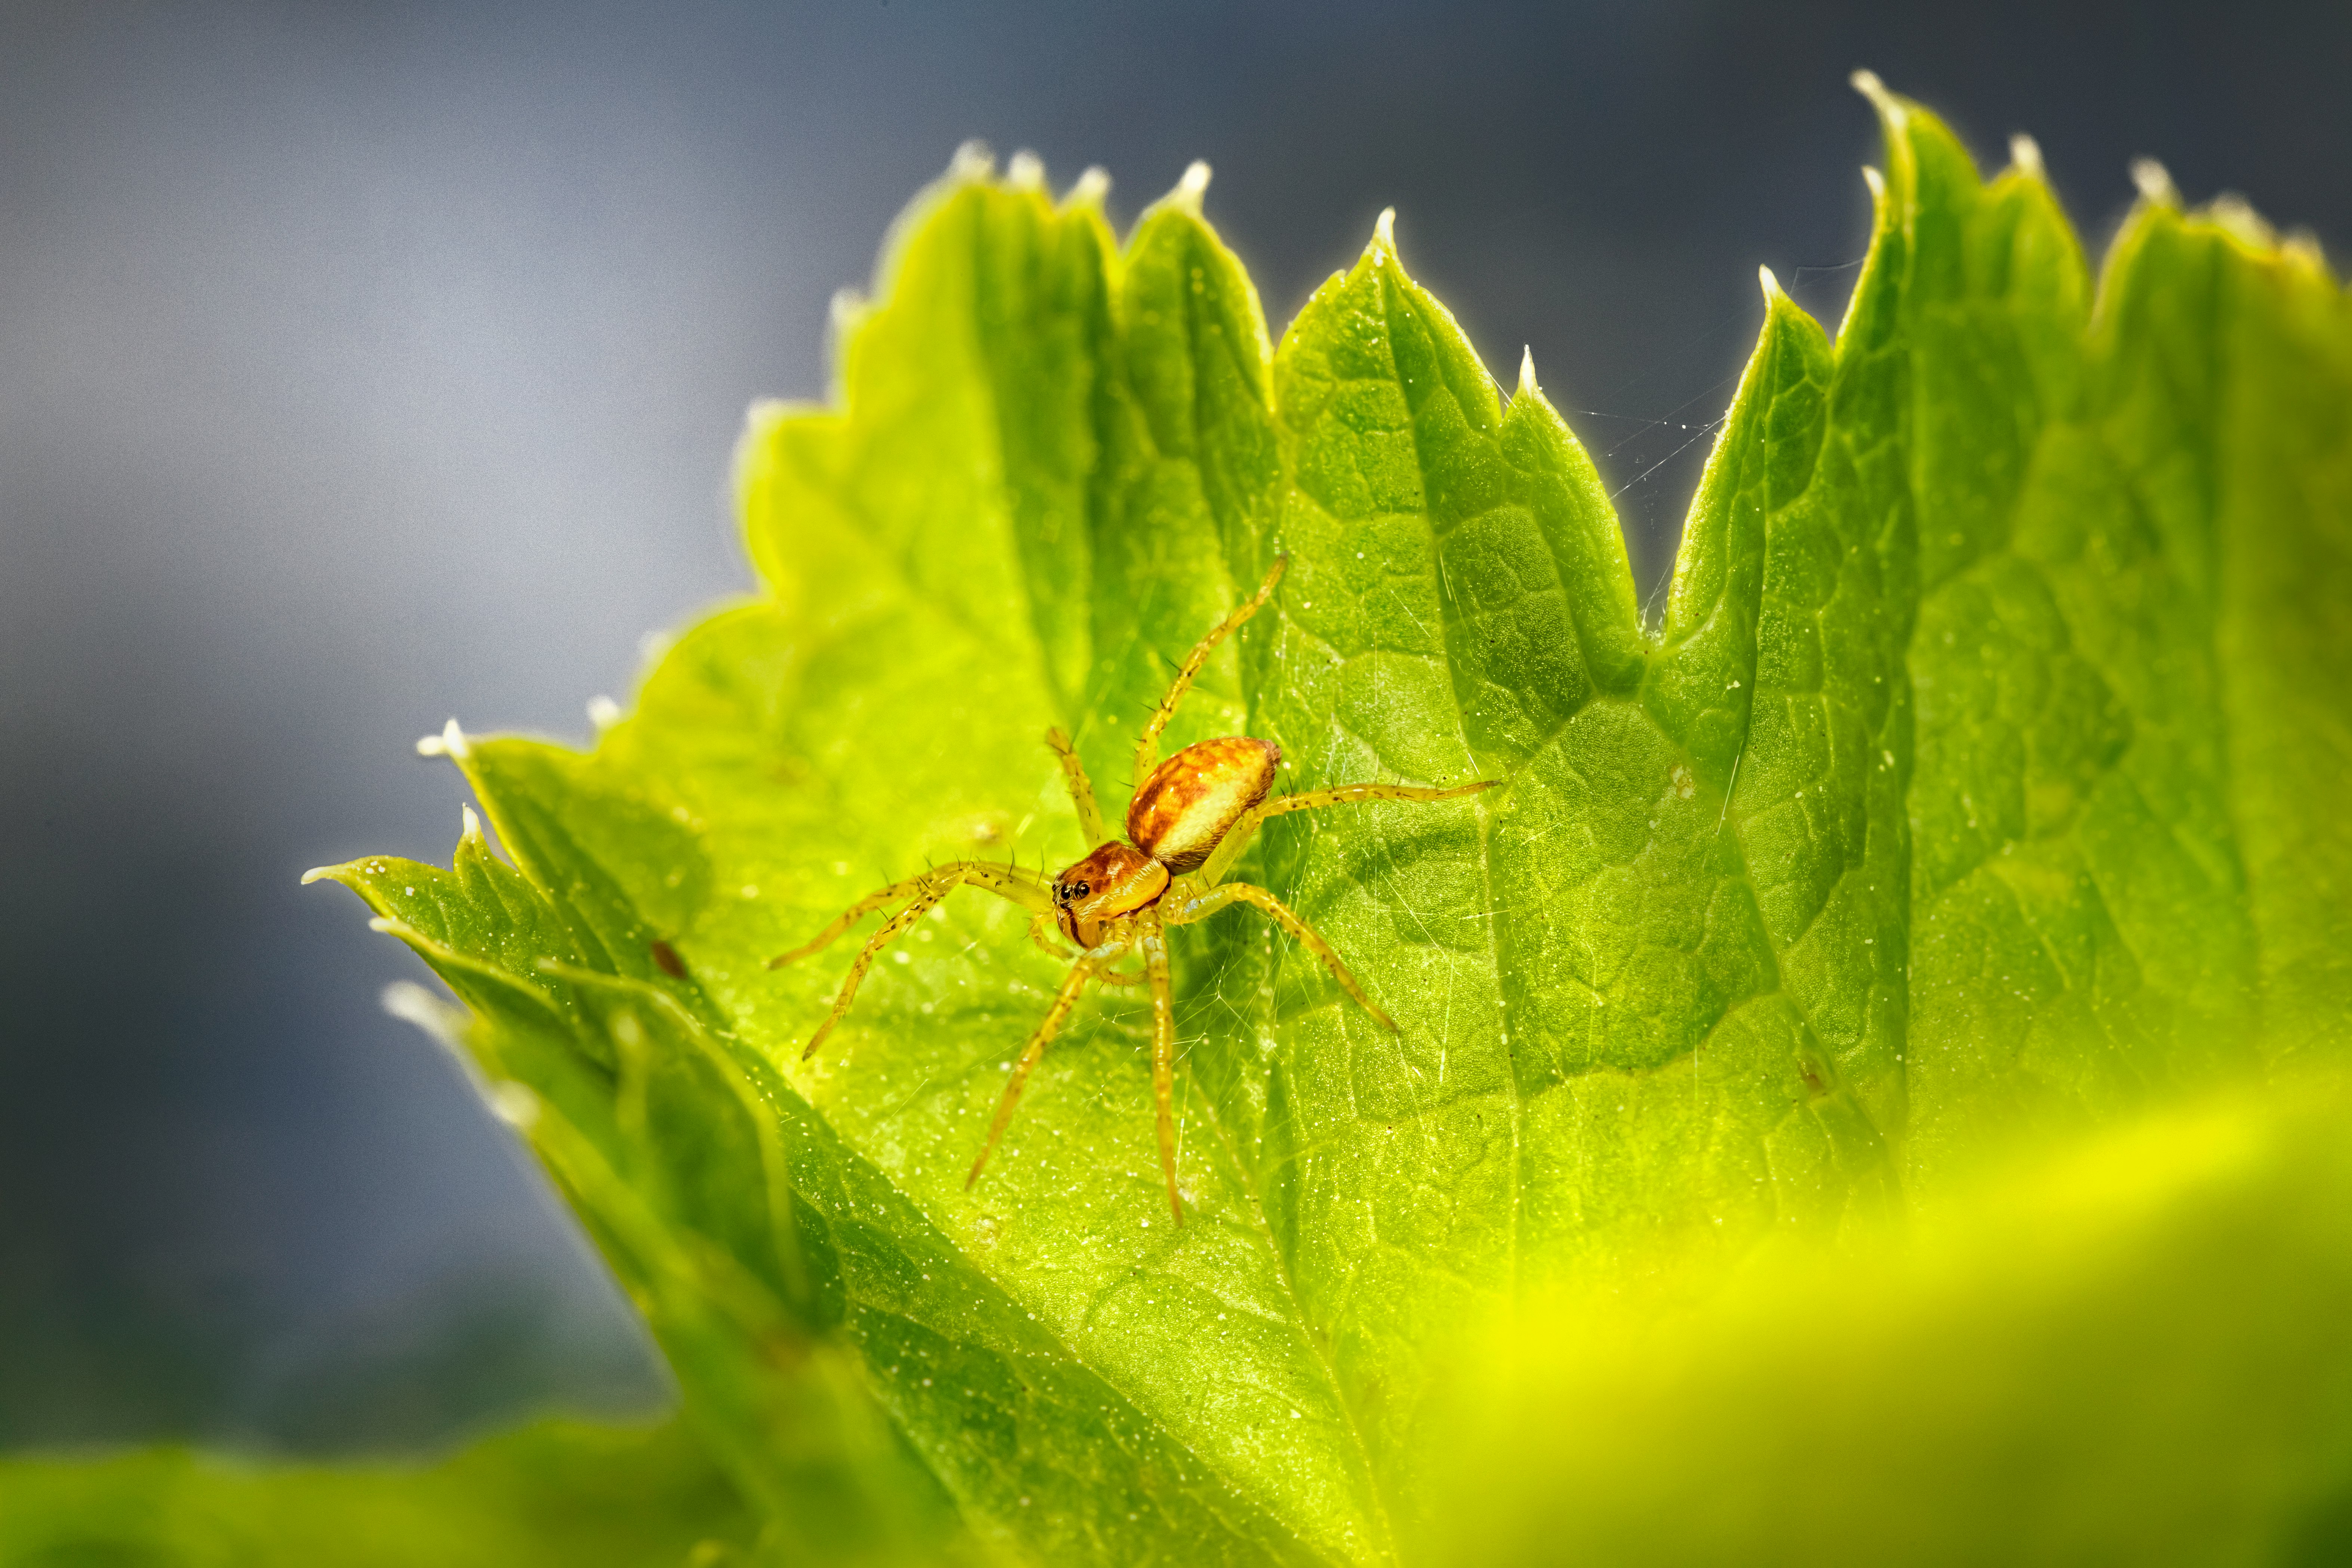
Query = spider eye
x=1080 y=889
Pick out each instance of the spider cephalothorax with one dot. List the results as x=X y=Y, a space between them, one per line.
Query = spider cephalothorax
x=1189 y=821
x=1115 y=879
x=1180 y=813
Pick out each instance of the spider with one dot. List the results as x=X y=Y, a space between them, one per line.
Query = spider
x=1188 y=820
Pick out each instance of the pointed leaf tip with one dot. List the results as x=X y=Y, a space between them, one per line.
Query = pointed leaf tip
x=1875 y=181
x=1090 y=188
x=1528 y=371
x=315 y=872
x=413 y=1003
x=514 y=1104
x=1026 y=172
x=449 y=743
x=1384 y=229
x=1773 y=292
x=844 y=309
x=1191 y=187
x=973 y=162
x=2154 y=183
x=2025 y=156
x=2236 y=216
x=1889 y=107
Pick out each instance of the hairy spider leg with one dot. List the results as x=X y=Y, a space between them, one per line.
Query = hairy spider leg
x=1082 y=789
x=1028 y=889
x=1146 y=749
x=1023 y=887
x=1209 y=900
x=1089 y=965
x=1163 y=1048
x=1238 y=837
x=916 y=910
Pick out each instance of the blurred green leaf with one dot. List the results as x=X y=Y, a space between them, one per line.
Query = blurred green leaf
x=2132 y=1351
x=1979 y=788
x=558 y=1493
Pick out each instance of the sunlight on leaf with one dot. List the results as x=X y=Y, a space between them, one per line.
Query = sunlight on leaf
x=1979 y=791
x=2131 y=1352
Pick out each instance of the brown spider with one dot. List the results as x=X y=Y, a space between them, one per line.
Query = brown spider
x=1189 y=820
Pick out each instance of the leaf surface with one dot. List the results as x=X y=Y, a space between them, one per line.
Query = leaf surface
x=1973 y=792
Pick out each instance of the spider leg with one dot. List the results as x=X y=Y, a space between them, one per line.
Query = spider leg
x=1088 y=966
x=1146 y=750
x=1200 y=904
x=916 y=910
x=1045 y=923
x=922 y=892
x=1237 y=837
x=1039 y=925
x=1082 y=789
x=1163 y=1052
x=1027 y=888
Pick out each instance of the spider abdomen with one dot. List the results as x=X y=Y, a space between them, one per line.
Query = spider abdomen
x=1195 y=796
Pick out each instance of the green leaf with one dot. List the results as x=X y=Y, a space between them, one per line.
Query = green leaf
x=2131 y=1352
x=1975 y=792
x=557 y=1493
x=2132 y=558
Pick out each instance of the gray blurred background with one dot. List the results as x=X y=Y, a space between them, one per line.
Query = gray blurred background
x=364 y=366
